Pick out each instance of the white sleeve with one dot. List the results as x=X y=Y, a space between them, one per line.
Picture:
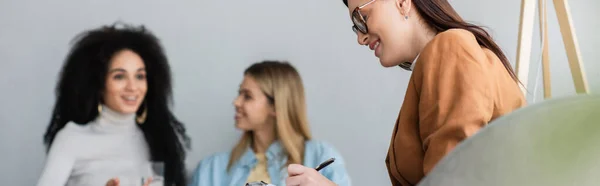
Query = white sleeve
x=60 y=160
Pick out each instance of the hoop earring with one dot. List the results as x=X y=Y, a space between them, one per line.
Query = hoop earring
x=142 y=118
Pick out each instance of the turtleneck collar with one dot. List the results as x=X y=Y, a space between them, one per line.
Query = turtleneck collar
x=113 y=120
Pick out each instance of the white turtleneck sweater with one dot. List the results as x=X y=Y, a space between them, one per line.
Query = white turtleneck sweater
x=90 y=155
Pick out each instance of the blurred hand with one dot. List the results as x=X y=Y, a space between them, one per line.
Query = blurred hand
x=299 y=175
x=116 y=182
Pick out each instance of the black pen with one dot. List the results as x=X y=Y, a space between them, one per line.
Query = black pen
x=325 y=164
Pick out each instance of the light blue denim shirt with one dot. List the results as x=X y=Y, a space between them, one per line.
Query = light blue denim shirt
x=212 y=171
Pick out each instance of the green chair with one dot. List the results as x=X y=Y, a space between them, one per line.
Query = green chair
x=552 y=143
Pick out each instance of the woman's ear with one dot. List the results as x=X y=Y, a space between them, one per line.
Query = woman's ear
x=272 y=109
x=272 y=112
x=404 y=7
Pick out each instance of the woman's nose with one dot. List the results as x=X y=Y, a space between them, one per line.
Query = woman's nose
x=362 y=38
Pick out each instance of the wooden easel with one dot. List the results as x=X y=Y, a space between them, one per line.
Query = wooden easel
x=570 y=41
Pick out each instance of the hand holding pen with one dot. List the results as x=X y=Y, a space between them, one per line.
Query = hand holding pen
x=304 y=176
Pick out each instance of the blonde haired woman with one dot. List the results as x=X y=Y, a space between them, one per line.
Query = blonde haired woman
x=270 y=108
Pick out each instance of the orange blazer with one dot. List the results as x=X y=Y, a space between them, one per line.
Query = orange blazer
x=456 y=88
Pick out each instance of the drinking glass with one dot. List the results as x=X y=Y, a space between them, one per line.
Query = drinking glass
x=158 y=171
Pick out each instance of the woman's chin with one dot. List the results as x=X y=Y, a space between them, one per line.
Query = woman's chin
x=126 y=109
x=387 y=63
x=241 y=127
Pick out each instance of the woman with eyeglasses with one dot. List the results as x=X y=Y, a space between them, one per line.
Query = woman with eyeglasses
x=271 y=110
x=461 y=81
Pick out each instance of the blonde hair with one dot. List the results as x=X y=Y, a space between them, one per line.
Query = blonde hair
x=282 y=85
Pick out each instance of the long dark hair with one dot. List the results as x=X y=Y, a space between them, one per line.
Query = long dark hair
x=82 y=80
x=440 y=15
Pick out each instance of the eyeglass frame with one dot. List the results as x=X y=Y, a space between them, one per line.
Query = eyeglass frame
x=356 y=29
x=362 y=20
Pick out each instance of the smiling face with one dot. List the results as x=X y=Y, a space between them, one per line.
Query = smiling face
x=126 y=84
x=389 y=34
x=253 y=110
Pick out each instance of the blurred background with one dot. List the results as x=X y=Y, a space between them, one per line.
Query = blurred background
x=352 y=101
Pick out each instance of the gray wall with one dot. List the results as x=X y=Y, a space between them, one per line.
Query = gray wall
x=502 y=17
x=352 y=101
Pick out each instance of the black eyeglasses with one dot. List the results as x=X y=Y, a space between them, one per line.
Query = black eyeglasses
x=360 y=23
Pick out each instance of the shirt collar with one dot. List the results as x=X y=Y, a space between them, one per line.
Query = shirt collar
x=249 y=158
x=408 y=65
x=412 y=66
